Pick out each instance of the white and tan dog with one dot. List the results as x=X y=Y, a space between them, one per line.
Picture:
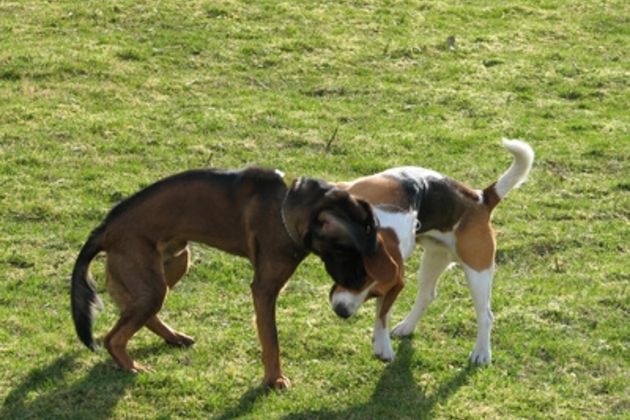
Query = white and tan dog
x=451 y=222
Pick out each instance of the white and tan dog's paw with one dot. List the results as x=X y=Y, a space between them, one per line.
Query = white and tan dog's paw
x=480 y=356
x=403 y=329
x=382 y=347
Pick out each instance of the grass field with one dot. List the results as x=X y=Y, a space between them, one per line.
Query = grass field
x=99 y=99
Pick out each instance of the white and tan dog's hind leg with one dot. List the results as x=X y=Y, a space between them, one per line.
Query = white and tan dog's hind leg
x=480 y=284
x=435 y=260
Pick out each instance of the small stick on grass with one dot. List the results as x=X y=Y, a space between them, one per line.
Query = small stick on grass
x=331 y=139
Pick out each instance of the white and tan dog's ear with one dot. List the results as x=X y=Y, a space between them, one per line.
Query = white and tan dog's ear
x=386 y=268
x=386 y=264
x=382 y=278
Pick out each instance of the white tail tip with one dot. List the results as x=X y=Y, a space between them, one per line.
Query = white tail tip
x=517 y=172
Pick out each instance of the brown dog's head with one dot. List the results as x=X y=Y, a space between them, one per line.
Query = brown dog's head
x=334 y=225
x=384 y=278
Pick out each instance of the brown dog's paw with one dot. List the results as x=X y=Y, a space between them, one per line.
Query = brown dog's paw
x=278 y=383
x=138 y=368
x=135 y=368
x=181 y=340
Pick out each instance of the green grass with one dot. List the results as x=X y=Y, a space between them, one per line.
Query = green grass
x=99 y=99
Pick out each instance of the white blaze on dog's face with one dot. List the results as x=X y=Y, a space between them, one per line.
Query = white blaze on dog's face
x=346 y=302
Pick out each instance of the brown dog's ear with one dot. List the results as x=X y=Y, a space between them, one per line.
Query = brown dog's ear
x=386 y=264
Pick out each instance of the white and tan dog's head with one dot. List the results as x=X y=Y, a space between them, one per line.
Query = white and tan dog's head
x=384 y=278
x=384 y=269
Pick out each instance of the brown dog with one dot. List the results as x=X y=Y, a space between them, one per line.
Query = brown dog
x=250 y=213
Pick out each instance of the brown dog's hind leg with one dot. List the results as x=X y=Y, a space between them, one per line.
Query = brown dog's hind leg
x=175 y=259
x=172 y=337
x=116 y=343
x=137 y=284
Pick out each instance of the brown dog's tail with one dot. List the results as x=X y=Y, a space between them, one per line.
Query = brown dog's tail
x=84 y=299
x=514 y=176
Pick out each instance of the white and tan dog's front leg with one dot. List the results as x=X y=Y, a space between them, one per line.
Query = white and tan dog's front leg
x=381 y=343
x=480 y=283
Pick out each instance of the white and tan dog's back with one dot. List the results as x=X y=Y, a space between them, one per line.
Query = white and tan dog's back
x=452 y=225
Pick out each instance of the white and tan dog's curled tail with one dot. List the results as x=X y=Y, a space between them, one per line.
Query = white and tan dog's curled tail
x=514 y=176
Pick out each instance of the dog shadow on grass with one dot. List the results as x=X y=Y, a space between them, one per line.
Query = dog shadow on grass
x=45 y=392
x=396 y=392
x=245 y=404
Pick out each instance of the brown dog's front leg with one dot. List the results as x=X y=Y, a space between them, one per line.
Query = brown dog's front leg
x=265 y=296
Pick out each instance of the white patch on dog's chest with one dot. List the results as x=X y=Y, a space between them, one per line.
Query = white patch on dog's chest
x=404 y=224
